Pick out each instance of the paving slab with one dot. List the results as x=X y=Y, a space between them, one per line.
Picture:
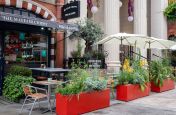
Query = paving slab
x=156 y=104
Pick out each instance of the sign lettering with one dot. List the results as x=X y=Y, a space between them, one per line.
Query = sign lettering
x=71 y=10
x=36 y=22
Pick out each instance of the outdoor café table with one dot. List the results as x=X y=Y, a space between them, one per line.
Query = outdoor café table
x=51 y=70
x=48 y=84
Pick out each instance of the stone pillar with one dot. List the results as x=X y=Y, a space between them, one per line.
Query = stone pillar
x=112 y=26
x=60 y=49
x=59 y=37
x=158 y=20
x=140 y=17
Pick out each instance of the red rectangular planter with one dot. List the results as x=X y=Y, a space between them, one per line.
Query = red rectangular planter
x=168 y=84
x=86 y=102
x=131 y=91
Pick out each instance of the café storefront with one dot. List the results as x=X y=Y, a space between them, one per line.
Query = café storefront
x=25 y=39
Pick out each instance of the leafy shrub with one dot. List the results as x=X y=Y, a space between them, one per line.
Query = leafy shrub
x=159 y=71
x=82 y=81
x=94 y=55
x=94 y=83
x=13 y=86
x=169 y=12
x=20 y=70
x=77 y=73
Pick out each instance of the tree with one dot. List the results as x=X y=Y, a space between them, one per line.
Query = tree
x=90 y=32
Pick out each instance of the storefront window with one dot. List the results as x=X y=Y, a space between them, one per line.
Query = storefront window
x=26 y=48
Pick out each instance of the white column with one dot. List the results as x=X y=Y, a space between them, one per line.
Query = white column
x=158 y=20
x=112 y=26
x=140 y=17
x=111 y=16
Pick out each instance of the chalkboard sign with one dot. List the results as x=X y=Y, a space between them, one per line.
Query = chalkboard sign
x=71 y=10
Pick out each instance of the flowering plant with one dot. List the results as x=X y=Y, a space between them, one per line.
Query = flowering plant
x=133 y=72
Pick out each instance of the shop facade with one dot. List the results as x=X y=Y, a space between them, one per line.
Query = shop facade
x=30 y=33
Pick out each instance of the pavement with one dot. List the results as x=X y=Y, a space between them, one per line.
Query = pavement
x=155 y=104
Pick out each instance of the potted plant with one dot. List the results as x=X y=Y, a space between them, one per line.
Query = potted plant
x=133 y=81
x=90 y=32
x=83 y=94
x=161 y=76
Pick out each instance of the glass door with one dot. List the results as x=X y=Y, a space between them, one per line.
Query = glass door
x=1 y=61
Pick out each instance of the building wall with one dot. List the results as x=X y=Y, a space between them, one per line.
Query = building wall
x=99 y=16
x=71 y=43
x=158 y=20
x=125 y=25
x=51 y=7
x=49 y=1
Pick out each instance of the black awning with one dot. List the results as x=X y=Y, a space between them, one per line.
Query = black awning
x=13 y=18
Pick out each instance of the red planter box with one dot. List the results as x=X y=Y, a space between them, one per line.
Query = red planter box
x=86 y=102
x=168 y=84
x=131 y=91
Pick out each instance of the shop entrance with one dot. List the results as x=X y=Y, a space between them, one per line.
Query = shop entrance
x=24 y=45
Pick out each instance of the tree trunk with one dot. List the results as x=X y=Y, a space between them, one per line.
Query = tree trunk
x=88 y=47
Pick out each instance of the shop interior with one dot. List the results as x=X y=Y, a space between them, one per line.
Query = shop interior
x=24 y=45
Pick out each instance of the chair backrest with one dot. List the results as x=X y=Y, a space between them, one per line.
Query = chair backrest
x=27 y=90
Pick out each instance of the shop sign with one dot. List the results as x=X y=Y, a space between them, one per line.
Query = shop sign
x=71 y=10
x=36 y=22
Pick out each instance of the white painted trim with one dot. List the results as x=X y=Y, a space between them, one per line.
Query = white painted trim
x=52 y=52
x=52 y=19
x=19 y=3
x=52 y=63
x=7 y=2
x=45 y=14
x=29 y=6
x=42 y=7
x=52 y=41
x=38 y=10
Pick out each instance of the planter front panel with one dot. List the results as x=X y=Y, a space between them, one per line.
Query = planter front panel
x=168 y=84
x=130 y=92
x=85 y=102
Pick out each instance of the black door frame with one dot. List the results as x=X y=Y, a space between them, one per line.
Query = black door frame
x=2 y=61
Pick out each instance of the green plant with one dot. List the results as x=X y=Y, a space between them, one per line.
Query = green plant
x=159 y=71
x=169 y=12
x=82 y=81
x=77 y=73
x=77 y=53
x=94 y=55
x=20 y=70
x=94 y=82
x=13 y=86
x=90 y=32
x=77 y=78
x=134 y=74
